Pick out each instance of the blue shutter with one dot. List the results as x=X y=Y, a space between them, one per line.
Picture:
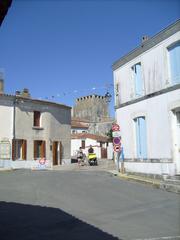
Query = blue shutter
x=138 y=79
x=174 y=53
x=138 y=145
x=141 y=139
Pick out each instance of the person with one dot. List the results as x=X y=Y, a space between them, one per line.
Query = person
x=80 y=156
x=90 y=150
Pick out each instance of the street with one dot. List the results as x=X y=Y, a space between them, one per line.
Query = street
x=84 y=205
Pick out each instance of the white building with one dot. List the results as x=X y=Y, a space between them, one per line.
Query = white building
x=101 y=145
x=79 y=125
x=31 y=130
x=147 y=103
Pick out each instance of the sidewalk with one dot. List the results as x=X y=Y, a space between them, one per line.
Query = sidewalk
x=103 y=165
x=168 y=185
x=5 y=169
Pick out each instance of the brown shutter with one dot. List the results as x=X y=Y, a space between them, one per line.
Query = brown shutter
x=60 y=152
x=35 y=150
x=37 y=118
x=54 y=152
x=43 y=149
x=24 y=149
x=13 y=149
x=83 y=144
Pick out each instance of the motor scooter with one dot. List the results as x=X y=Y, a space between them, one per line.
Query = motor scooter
x=92 y=159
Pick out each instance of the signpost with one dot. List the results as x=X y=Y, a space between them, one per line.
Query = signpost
x=117 y=146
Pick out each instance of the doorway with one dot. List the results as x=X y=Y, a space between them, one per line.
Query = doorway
x=57 y=153
x=176 y=138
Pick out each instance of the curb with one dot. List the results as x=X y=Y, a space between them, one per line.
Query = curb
x=155 y=183
x=163 y=185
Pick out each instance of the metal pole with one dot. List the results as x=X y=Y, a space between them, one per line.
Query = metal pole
x=117 y=161
x=14 y=118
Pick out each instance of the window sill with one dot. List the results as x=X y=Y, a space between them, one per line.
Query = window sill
x=38 y=128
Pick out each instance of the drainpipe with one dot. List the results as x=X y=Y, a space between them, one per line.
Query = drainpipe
x=14 y=118
x=14 y=128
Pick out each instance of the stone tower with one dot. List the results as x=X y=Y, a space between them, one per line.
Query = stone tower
x=93 y=108
x=1 y=83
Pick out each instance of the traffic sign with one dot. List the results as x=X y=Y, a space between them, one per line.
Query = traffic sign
x=115 y=127
x=117 y=148
x=42 y=161
x=116 y=134
x=117 y=141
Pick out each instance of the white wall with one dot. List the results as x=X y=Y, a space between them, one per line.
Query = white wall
x=76 y=143
x=155 y=71
x=151 y=168
x=158 y=122
x=6 y=123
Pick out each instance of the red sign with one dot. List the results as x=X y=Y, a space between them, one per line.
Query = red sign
x=115 y=127
x=42 y=161
x=117 y=141
x=117 y=148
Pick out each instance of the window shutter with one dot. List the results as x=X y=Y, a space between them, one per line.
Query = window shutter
x=35 y=150
x=43 y=149
x=24 y=149
x=37 y=118
x=174 y=53
x=13 y=149
x=60 y=152
x=83 y=144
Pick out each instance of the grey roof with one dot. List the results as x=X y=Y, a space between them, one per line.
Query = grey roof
x=44 y=102
x=151 y=42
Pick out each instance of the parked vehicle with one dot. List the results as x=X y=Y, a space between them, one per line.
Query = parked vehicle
x=92 y=159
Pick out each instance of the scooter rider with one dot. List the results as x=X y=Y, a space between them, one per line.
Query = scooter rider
x=80 y=156
x=90 y=150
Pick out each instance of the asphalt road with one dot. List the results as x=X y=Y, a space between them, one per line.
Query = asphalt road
x=84 y=205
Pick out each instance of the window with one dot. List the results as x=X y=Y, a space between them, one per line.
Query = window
x=19 y=148
x=83 y=144
x=174 y=59
x=137 y=76
x=39 y=149
x=37 y=116
x=178 y=118
x=141 y=141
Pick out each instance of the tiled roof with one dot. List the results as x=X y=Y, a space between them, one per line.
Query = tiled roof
x=77 y=123
x=25 y=99
x=98 y=138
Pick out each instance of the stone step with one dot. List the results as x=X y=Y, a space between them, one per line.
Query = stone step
x=172 y=181
x=170 y=187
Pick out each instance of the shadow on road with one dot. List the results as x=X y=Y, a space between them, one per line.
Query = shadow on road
x=20 y=221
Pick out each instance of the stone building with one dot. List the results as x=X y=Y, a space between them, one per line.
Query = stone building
x=94 y=109
x=147 y=103
x=32 y=130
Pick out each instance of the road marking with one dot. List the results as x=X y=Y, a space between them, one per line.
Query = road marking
x=159 y=238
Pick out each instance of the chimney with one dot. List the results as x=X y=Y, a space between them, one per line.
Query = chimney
x=25 y=93
x=1 y=83
x=144 y=39
x=17 y=93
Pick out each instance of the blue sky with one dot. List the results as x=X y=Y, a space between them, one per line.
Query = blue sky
x=62 y=50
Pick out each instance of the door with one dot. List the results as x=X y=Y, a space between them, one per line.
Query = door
x=177 y=139
x=55 y=153
x=103 y=152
